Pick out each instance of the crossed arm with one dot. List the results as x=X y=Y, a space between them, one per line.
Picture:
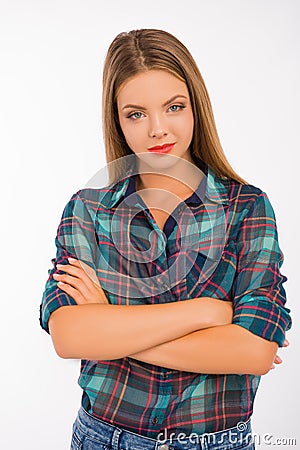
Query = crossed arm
x=215 y=346
x=219 y=349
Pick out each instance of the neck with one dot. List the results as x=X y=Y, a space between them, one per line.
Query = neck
x=180 y=179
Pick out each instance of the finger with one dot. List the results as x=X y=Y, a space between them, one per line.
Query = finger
x=90 y=285
x=91 y=290
x=90 y=273
x=76 y=295
x=277 y=360
x=80 y=270
x=91 y=293
x=286 y=343
x=74 y=282
x=71 y=270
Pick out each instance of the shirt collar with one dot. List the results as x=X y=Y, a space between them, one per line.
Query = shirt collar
x=211 y=187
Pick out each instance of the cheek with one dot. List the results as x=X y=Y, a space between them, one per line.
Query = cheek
x=133 y=135
x=187 y=126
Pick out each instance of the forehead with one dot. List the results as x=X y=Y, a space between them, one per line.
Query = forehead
x=151 y=85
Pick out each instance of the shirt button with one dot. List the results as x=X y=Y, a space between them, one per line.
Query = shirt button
x=155 y=420
x=163 y=447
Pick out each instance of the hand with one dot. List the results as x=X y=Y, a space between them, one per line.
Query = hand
x=217 y=311
x=227 y=316
x=277 y=359
x=80 y=282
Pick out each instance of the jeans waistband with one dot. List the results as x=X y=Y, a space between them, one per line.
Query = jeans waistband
x=119 y=438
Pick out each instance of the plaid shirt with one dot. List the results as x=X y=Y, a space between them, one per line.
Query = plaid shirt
x=241 y=263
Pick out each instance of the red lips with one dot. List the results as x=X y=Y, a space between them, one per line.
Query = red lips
x=165 y=148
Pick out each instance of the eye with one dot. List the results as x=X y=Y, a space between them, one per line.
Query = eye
x=133 y=115
x=176 y=106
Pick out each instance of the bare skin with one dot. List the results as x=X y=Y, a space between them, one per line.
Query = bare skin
x=77 y=330
x=204 y=351
x=194 y=335
x=165 y=116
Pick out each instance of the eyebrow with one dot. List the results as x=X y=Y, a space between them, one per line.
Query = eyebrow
x=165 y=104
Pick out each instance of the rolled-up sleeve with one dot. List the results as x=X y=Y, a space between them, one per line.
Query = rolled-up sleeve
x=259 y=297
x=75 y=238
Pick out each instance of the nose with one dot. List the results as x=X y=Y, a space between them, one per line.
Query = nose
x=157 y=127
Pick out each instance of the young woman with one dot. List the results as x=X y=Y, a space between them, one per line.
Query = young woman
x=166 y=282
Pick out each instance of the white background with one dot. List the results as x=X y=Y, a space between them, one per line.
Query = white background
x=51 y=60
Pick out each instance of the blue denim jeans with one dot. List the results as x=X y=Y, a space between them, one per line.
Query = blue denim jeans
x=90 y=433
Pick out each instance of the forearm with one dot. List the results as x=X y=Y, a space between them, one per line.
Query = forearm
x=221 y=349
x=101 y=331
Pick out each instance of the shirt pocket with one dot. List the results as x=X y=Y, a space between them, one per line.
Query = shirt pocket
x=213 y=277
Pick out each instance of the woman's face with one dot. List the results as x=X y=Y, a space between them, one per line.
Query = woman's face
x=154 y=109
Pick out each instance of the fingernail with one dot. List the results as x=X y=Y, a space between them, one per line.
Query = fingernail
x=72 y=260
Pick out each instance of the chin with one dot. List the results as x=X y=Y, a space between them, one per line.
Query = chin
x=158 y=161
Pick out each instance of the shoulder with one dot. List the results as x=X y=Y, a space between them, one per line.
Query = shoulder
x=237 y=196
x=94 y=199
x=246 y=205
x=246 y=197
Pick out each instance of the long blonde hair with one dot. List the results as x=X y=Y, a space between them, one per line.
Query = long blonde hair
x=136 y=51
